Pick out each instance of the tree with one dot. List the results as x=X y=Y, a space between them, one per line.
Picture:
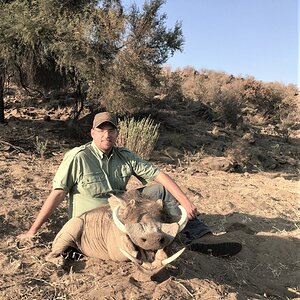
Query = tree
x=145 y=46
x=2 y=81
x=114 y=52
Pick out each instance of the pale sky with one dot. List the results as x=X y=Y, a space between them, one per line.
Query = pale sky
x=258 y=38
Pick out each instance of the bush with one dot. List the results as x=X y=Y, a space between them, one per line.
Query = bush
x=273 y=100
x=170 y=85
x=40 y=146
x=139 y=136
x=228 y=104
x=235 y=99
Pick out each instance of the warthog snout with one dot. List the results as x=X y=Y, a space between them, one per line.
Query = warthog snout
x=153 y=241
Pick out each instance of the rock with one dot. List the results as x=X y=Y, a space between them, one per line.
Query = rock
x=292 y=161
x=217 y=163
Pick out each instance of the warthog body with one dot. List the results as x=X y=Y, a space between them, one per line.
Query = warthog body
x=129 y=228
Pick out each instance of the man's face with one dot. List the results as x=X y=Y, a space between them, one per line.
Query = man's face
x=105 y=136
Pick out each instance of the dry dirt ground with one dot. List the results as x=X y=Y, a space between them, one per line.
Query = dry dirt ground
x=257 y=203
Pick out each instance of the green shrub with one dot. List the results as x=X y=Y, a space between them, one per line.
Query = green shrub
x=40 y=146
x=139 y=136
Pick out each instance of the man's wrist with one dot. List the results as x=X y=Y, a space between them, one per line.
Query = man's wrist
x=32 y=231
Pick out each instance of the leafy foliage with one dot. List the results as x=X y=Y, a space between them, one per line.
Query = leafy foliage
x=103 y=51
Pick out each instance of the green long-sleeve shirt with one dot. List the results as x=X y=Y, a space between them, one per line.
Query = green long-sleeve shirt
x=88 y=175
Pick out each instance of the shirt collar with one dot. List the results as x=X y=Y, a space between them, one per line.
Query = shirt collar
x=100 y=153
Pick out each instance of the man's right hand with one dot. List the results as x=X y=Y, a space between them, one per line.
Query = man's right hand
x=25 y=240
x=25 y=236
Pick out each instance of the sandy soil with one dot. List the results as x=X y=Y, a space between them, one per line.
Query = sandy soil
x=258 y=207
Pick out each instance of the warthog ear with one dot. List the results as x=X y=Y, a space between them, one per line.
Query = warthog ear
x=115 y=201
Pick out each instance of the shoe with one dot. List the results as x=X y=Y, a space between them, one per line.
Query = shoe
x=215 y=245
x=72 y=253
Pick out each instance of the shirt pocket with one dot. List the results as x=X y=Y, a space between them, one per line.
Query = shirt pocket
x=122 y=176
x=94 y=185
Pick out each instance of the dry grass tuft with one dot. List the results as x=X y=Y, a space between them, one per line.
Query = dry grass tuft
x=139 y=136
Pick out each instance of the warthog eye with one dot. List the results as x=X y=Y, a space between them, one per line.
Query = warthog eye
x=162 y=240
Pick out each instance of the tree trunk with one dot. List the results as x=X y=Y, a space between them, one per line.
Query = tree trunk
x=2 y=80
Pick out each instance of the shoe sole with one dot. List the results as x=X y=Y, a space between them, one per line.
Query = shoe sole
x=218 y=250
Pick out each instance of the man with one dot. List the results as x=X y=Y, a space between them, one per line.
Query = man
x=91 y=172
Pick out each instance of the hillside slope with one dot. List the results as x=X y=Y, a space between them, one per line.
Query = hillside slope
x=244 y=182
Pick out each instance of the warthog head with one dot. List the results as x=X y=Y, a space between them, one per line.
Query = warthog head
x=149 y=229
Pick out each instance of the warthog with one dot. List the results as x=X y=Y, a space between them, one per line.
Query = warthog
x=130 y=228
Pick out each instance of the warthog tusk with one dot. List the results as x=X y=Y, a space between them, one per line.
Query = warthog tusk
x=118 y=223
x=163 y=263
x=184 y=218
x=172 y=258
x=130 y=257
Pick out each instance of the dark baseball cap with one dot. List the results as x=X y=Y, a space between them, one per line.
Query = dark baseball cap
x=103 y=117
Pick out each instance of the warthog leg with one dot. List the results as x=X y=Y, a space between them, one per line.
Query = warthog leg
x=67 y=236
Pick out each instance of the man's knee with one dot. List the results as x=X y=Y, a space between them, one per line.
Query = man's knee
x=158 y=191
x=154 y=191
